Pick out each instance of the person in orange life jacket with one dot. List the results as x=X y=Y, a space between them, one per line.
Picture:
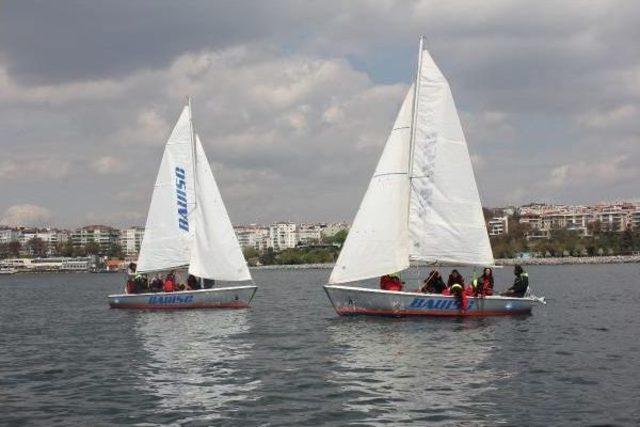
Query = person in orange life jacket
x=484 y=283
x=170 y=283
x=433 y=284
x=390 y=282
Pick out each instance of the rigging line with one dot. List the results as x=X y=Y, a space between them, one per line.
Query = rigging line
x=389 y=173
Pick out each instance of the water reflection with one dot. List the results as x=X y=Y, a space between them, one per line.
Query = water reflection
x=414 y=370
x=192 y=363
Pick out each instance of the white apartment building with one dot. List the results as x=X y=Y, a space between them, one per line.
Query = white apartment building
x=283 y=235
x=309 y=233
x=9 y=235
x=332 y=229
x=253 y=236
x=130 y=240
x=103 y=235
x=498 y=226
x=48 y=235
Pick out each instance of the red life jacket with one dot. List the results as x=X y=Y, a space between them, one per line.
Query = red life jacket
x=389 y=283
x=169 y=285
x=131 y=286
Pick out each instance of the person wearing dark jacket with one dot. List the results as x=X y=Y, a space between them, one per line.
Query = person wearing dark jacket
x=455 y=278
x=520 y=284
x=433 y=284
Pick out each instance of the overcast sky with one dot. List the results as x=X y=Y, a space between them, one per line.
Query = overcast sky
x=293 y=100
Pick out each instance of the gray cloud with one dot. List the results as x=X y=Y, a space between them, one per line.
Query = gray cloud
x=293 y=100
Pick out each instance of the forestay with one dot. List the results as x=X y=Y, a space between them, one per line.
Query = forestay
x=168 y=231
x=446 y=223
x=378 y=240
x=216 y=252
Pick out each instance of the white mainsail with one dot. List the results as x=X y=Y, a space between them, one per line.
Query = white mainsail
x=446 y=223
x=188 y=224
x=168 y=231
x=422 y=203
x=215 y=253
x=378 y=240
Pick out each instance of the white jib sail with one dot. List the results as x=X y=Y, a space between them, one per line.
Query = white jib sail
x=446 y=223
x=215 y=252
x=378 y=243
x=169 y=230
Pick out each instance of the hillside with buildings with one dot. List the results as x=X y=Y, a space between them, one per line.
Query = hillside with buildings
x=532 y=230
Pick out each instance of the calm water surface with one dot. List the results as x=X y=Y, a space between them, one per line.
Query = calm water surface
x=67 y=359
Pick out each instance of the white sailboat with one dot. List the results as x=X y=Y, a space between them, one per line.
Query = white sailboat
x=188 y=228
x=422 y=206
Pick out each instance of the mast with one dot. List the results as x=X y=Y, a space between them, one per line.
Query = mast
x=193 y=151
x=414 y=119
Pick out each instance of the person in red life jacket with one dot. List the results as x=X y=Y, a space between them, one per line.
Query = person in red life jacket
x=484 y=283
x=170 y=283
x=130 y=287
x=390 y=282
x=458 y=291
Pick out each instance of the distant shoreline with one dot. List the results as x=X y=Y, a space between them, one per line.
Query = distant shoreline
x=613 y=259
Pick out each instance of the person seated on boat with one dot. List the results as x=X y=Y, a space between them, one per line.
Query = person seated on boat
x=130 y=287
x=433 y=284
x=520 y=284
x=156 y=284
x=455 y=278
x=390 y=282
x=483 y=285
x=208 y=283
x=192 y=283
x=141 y=283
x=170 y=283
x=458 y=291
x=131 y=269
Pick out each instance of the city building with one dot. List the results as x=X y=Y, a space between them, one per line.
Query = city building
x=254 y=236
x=104 y=236
x=498 y=226
x=309 y=234
x=9 y=235
x=130 y=240
x=282 y=235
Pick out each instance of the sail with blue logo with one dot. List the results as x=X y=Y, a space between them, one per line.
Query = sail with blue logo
x=167 y=237
x=187 y=224
x=422 y=204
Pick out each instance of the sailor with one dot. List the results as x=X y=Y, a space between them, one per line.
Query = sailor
x=433 y=284
x=390 y=282
x=156 y=284
x=209 y=283
x=455 y=278
x=192 y=282
x=169 y=283
x=457 y=290
x=520 y=284
x=131 y=269
x=483 y=285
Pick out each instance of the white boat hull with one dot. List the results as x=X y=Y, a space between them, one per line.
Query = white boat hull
x=352 y=301
x=229 y=297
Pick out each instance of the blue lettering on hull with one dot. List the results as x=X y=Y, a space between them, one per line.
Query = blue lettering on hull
x=438 y=304
x=170 y=299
